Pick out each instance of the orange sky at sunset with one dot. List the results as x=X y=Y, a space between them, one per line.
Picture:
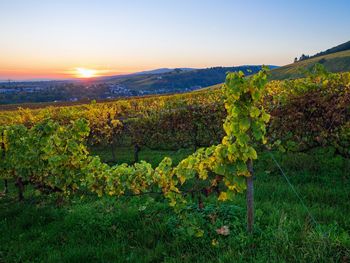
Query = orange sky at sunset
x=47 y=73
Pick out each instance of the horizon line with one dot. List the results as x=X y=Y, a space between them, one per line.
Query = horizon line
x=4 y=80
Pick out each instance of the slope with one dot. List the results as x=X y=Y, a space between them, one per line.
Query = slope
x=335 y=62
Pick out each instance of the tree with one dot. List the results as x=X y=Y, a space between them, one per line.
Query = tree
x=303 y=57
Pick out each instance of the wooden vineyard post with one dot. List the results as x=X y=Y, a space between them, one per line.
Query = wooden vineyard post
x=250 y=197
x=3 y=157
x=20 y=186
x=113 y=152
x=5 y=187
x=136 y=153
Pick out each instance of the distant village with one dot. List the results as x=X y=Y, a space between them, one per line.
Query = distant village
x=58 y=91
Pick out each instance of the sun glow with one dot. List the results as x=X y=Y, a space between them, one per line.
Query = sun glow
x=85 y=73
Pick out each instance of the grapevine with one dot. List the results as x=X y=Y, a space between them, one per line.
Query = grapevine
x=47 y=148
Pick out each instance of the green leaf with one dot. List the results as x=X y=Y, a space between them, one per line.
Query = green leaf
x=244 y=124
x=265 y=117
x=254 y=112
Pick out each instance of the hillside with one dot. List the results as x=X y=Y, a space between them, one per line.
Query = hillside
x=177 y=80
x=342 y=47
x=335 y=62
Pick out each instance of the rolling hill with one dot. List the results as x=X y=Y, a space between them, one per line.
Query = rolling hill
x=177 y=80
x=333 y=62
x=341 y=47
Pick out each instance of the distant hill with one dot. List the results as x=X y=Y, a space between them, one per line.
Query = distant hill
x=333 y=62
x=146 y=72
x=177 y=80
x=161 y=71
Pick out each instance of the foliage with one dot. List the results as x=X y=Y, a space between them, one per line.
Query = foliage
x=310 y=112
x=62 y=161
x=189 y=125
x=144 y=229
x=48 y=155
x=104 y=124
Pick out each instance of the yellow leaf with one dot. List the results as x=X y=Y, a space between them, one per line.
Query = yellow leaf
x=214 y=243
x=172 y=202
x=265 y=117
x=182 y=179
x=222 y=196
x=99 y=192
x=199 y=233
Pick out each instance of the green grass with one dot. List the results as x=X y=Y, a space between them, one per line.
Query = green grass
x=145 y=229
x=335 y=62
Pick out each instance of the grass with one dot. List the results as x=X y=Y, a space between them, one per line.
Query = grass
x=335 y=62
x=145 y=229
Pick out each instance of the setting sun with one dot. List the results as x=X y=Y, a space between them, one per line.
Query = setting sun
x=85 y=73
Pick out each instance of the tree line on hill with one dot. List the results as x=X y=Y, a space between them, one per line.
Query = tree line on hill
x=339 y=48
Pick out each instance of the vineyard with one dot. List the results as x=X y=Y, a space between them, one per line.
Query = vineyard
x=220 y=142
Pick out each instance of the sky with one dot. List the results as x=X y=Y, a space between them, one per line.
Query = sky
x=51 y=39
